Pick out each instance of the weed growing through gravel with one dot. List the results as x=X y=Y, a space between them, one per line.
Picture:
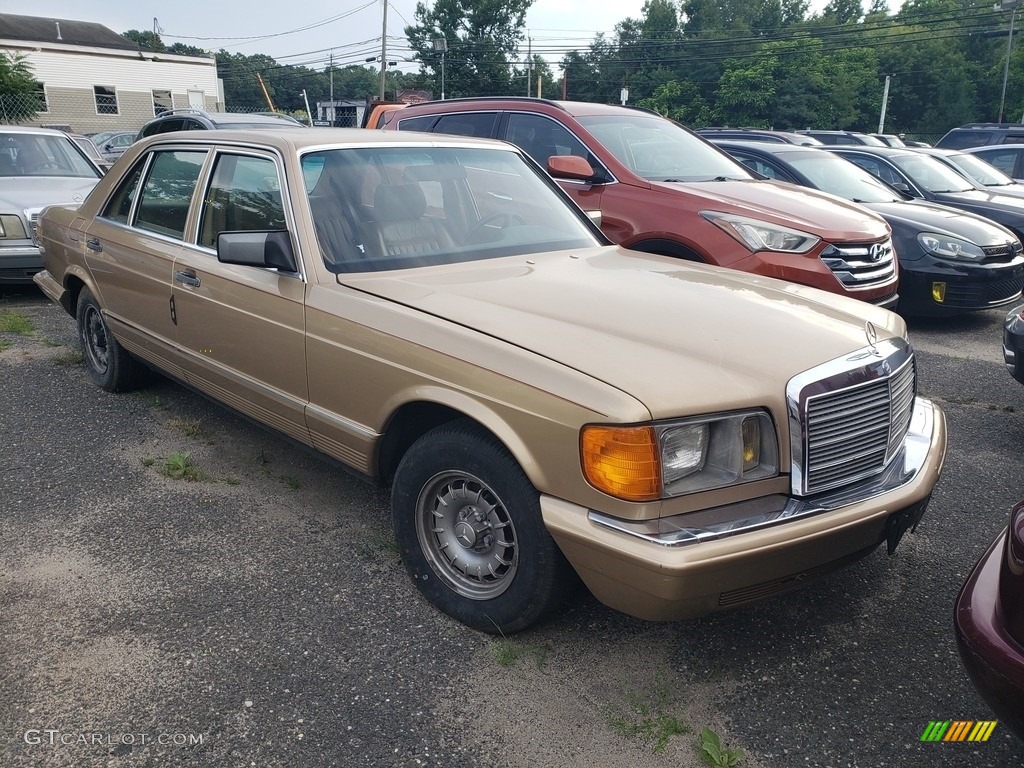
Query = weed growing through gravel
x=5 y=345
x=147 y=461
x=507 y=652
x=292 y=482
x=180 y=467
x=649 y=722
x=714 y=754
x=13 y=321
x=187 y=427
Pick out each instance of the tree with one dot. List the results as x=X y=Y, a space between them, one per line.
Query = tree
x=482 y=37
x=146 y=40
x=18 y=88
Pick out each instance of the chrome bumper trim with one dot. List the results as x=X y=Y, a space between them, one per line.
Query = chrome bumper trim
x=747 y=516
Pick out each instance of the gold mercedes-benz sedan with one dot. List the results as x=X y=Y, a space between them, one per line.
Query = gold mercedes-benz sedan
x=435 y=313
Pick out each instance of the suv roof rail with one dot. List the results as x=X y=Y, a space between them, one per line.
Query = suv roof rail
x=530 y=99
x=185 y=111
x=991 y=125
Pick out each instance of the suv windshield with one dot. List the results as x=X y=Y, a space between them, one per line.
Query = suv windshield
x=657 y=149
x=383 y=208
x=36 y=154
x=837 y=176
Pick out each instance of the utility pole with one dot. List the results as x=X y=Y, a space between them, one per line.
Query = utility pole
x=384 y=52
x=529 y=65
x=885 y=103
x=332 y=88
x=1002 y=6
x=441 y=46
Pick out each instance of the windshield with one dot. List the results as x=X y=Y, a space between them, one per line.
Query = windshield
x=36 y=154
x=983 y=173
x=383 y=208
x=831 y=173
x=657 y=149
x=932 y=175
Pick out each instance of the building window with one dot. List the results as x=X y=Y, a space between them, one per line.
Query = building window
x=162 y=102
x=106 y=99
x=40 y=95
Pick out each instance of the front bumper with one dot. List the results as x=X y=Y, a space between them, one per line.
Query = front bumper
x=1013 y=343
x=963 y=287
x=19 y=264
x=693 y=564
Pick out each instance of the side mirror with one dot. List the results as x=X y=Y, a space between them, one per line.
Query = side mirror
x=594 y=216
x=902 y=186
x=570 y=167
x=257 y=249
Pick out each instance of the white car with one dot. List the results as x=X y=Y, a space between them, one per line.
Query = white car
x=38 y=167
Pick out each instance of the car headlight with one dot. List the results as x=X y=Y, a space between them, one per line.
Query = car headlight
x=11 y=227
x=762 y=235
x=665 y=459
x=946 y=247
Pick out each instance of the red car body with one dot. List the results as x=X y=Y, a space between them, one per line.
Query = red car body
x=989 y=620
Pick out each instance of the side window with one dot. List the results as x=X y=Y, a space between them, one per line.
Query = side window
x=1002 y=159
x=244 y=195
x=874 y=167
x=759 y=166
x=479 y=124
x=541 y=137
x=167 y=192
x=416 y=123
x=119 y=206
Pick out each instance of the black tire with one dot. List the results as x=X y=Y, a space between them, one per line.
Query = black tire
x=108 y=363
x=468 y=523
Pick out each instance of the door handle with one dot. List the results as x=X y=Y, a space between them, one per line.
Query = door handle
x=187 y=278
x=93 y=244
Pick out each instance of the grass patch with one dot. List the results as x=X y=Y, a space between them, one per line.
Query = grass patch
x=5 y=345
x=153 y=399
x=292 y=482
x=72 y=357
x=48 y=342
x=147 y=461
x=508 y=652
x=714 y=754
x=179 y=466
x=12 y=321
x=648 y=722
x=187 y=427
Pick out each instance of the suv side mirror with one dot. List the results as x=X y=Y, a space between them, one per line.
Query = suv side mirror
x=570 y=167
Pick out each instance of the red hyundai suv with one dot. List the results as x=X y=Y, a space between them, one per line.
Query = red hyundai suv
x=660 y=188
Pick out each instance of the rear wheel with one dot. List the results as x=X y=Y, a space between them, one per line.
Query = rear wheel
x=468 y=522
x=108 y=363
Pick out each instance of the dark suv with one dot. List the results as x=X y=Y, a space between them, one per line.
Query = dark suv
x=982 y=134
x=660 y=188
x=844 y=137
x=200 y=120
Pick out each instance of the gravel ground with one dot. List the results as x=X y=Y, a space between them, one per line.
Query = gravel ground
x=259 y=615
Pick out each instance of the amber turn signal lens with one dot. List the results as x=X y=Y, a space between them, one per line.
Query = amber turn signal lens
x=622 y=461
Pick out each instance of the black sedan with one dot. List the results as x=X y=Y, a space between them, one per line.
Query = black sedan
x=1013 y=343
x=950 y=261
x=925 y=178
x=989 y=622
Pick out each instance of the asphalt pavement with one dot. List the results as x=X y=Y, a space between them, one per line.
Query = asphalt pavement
x=258 y=615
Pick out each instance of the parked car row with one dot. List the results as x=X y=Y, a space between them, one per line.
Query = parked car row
x=546 y=405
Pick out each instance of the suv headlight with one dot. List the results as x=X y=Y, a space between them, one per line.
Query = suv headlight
x=665 y=459
x=946 y=247
x=760 y=235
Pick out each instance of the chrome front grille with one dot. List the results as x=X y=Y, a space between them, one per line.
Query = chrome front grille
x=849 y=417
x=863 y=265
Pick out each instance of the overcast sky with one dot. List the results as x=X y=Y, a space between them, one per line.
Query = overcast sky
x=311 y=32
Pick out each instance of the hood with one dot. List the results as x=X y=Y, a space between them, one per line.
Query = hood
x=682 y=338
x=21 y=193
x=919 y=217
x=827 y=216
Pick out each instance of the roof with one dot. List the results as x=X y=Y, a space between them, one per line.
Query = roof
x=64 y=31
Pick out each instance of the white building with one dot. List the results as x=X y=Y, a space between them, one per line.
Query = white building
x=93 y=79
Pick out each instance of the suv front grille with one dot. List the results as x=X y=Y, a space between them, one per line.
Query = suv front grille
x=863 y=265
x=850 y=416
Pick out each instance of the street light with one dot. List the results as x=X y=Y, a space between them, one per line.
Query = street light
x=383 y=70
x=1002 y=6
x=441 y=46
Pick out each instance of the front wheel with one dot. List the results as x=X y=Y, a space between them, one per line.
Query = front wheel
x=468 y=523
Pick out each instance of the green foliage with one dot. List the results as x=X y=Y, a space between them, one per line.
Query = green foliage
x=18 y=88
x=646 y=721
x=145 y=39
x=13 y=321
x=179 y=466
x=712 y=752
x=507 y=652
